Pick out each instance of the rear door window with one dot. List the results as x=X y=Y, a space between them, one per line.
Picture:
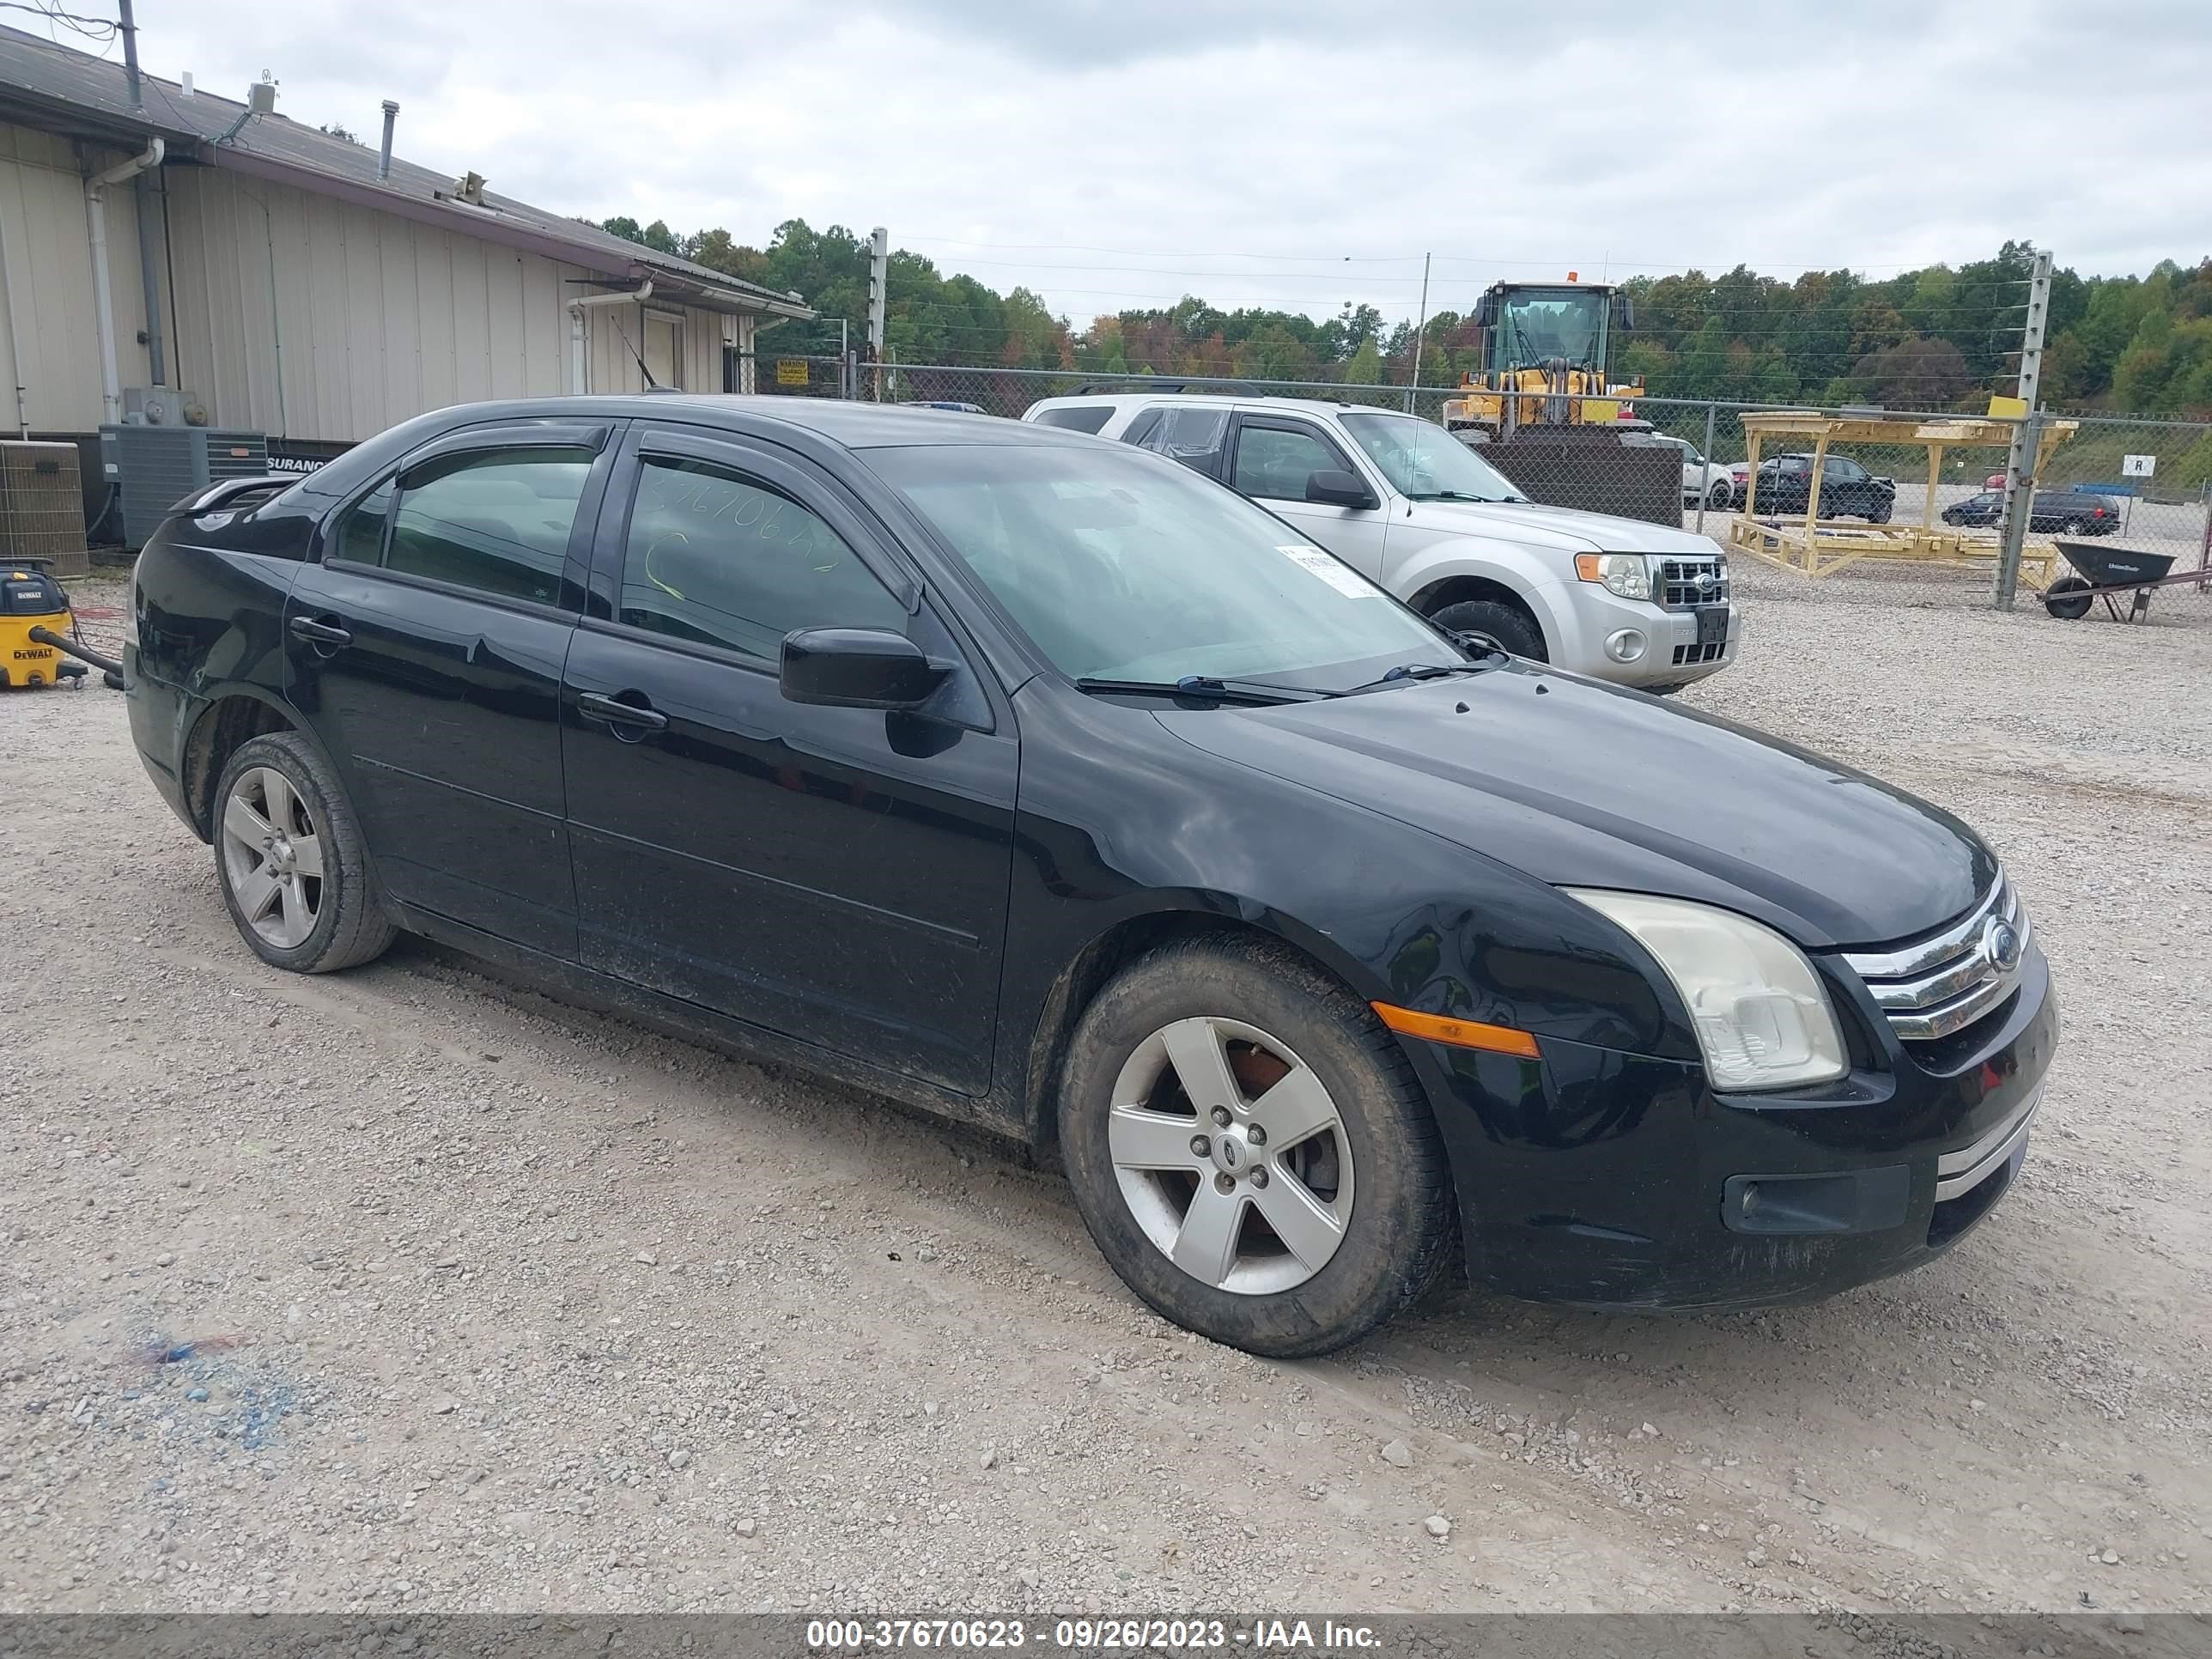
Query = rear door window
x=1191 y=435
x=495 y=521
x=1085 y=419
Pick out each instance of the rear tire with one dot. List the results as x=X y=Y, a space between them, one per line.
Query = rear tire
x=290 y=860
x=1364 y=1204
x=2067 y=599
x=1508 y=623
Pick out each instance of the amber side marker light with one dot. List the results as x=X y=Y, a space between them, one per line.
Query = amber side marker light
x=1459 y=1033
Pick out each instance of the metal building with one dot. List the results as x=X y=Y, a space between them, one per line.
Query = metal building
x=299 y=283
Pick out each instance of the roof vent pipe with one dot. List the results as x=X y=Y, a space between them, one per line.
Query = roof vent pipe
x=384 y=156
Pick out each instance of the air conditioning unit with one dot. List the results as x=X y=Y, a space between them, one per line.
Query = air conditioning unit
x=154 y=467
x=42 y=508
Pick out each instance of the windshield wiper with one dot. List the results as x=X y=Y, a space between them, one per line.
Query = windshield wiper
x=1205 y=686
x=1488 y=650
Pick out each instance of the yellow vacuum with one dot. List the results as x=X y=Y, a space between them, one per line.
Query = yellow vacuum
x=36 y=634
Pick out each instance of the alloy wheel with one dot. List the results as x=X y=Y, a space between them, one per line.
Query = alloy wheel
x=1231 y=1155
x=272 y=856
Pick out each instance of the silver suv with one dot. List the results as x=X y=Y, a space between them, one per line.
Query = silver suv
x=1405 y=501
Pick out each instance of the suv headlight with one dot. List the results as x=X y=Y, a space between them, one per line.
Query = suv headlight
x=1628 y=574
x=1762 y=1018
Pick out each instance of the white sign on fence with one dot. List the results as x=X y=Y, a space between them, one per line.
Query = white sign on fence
x=2138 y=466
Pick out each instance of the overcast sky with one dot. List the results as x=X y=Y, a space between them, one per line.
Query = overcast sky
x=1301 y=152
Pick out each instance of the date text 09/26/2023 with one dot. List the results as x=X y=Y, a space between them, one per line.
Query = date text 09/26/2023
x=1091 y=1635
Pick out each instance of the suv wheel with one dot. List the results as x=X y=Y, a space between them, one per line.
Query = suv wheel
x=290 y=860
x=1250 y=1151
x=1508 y=624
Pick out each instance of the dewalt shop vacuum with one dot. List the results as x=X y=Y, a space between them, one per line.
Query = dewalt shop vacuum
x=38 y=634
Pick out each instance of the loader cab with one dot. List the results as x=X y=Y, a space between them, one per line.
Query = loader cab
x=1533 y=324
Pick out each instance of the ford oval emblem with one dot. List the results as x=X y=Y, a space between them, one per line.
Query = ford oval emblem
x=2001 y=942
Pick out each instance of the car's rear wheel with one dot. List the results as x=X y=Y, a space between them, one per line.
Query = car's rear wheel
x=2074 y=527
x=290 y=858
x=1250 y=1149
x=1508 y=624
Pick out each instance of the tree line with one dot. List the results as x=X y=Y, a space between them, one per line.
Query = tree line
x=1940 y=337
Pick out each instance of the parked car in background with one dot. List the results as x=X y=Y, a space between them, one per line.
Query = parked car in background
x=1848 y=490
x=2055 y=512
x=1045 y=784
x=1408 y=505
x=1702 y=480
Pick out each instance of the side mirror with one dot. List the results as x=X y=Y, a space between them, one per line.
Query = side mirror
x=1333 y=487
x=858 y=668
x=1627 y=308
x=1485 y=311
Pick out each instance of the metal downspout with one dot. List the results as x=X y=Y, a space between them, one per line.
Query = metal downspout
x=15 y=339
x=579 y=357
x=96 y=214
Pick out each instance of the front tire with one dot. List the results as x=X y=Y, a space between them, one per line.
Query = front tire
x=290 y=860
x=1250 y=1151
x=1719 y=496
x=1508 y=624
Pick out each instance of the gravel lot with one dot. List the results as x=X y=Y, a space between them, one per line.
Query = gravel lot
x=408 y=1289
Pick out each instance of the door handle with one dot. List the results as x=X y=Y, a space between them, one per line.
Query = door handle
x=321 y=633
x=639 y=717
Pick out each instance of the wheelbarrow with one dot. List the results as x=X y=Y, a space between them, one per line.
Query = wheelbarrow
x=2106 y=571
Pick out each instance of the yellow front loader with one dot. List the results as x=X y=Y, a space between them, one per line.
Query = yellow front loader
x=1545 y=349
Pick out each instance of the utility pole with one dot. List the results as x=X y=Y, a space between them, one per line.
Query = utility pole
x=1420 y=329
x=879 y=254
x=2026 y=437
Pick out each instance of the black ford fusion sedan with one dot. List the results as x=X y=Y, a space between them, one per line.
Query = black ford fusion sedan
x=1038 y=781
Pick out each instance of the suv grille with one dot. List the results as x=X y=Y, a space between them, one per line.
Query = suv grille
x=1949 y=979
x=1684 y=584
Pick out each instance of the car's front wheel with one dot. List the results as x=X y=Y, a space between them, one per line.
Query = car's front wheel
x=291 y=860
x=1720 y=495
x=1250 y=1149
x=1508 y=624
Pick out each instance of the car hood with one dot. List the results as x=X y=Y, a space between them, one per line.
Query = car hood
x=1578 y=783
x=1564 y=529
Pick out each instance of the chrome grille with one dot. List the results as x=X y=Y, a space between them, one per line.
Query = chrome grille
x=1684 y=584
x=1947 y=980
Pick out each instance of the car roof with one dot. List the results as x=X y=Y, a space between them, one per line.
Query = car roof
x=849 y=425
x=1206 y=400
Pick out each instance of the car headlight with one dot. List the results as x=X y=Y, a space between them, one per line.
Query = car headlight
x=1628 y=574
x=1762 y=1018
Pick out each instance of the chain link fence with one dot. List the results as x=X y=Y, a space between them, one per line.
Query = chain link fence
x=2141 y=482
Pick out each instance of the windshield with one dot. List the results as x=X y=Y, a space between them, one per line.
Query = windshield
x=1567 y=323
x=1426 y=462
x=1123 y=566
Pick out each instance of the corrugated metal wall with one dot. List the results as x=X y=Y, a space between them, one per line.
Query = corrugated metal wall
x=306 y=317
x=49 y=278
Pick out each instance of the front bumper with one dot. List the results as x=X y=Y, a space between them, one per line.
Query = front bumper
x=1672 y=652
x=1606 y=1180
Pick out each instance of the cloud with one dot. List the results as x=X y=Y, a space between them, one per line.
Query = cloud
x=1291 y=153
